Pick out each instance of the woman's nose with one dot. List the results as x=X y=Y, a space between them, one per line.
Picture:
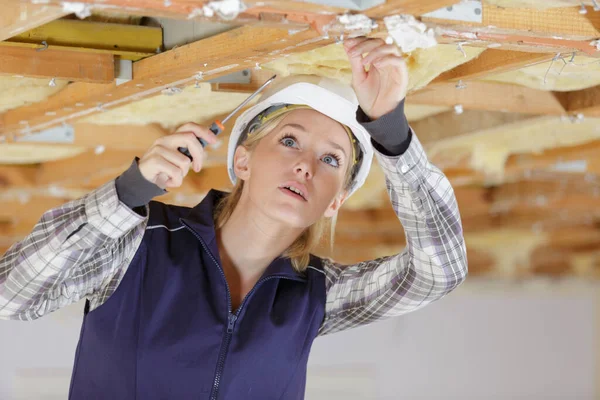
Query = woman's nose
x=305 y=168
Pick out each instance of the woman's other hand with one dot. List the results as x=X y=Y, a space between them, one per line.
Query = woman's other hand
x=165 y=166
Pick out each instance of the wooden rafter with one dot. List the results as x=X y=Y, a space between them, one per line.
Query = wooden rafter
x=209 y=58
x=551 y=30
x=585 y=101
x=59 y=64
x=129 y=42
x=490 y=96
x=413 y=7
x=18 y=16
x=490 y=62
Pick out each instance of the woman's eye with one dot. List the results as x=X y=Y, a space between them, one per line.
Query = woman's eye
x=288 y=142
x=331 y=160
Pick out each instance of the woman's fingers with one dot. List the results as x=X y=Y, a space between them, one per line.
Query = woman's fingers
x=164 y=165
x=174 y=157
x=161 y=172
x=381 y=52
x=390 y=60
x=365 y=46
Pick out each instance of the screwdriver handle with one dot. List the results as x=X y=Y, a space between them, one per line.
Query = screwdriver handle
x=216 y=128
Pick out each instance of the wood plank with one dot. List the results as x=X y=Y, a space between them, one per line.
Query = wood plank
x=449 y=124
x=117 y=137
x=523 y=29
x=215 y=56
x=59 y=64
x=490 y=62
x=18 y=17
x=490 y=96
x=563 y=21
x=413 y=7
x=275 y=13
x=585 y=101
x=131 y=42
x=558 y=23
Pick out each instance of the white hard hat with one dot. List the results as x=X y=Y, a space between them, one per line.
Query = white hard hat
x=328 y=96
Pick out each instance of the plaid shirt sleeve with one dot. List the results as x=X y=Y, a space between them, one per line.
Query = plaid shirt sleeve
x=79 y=250
x=433 y=263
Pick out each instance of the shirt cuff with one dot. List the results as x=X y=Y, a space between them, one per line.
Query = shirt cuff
x=390 y=133
x=411 y=167
x=133 y=189
x=106 y=213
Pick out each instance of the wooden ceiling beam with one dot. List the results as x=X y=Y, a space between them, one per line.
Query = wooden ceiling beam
x=567 y=22
x=448 y=124
x=59 y=64
x=128 y=42
x=491 y=97
x=551 y=30
x=19 y=16
x=412 y=7
x=491 y=62
x=585 y=101
x=209 y=58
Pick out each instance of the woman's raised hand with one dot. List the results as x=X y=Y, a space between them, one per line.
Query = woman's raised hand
x=384 y=85
x=165 y=166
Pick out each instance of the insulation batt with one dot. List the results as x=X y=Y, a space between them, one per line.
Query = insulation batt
x=227 y=9
x=82 y=10
x=357 y=22
x=409 y=33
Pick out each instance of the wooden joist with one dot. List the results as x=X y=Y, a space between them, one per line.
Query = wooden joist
x=209 y=58
x=490 y=96
x=525 y=29
x=19 y=16
x=585 y=101
x=59 y=64
x=491 y=62
x=129 y=42
x=567 y=22
x=412 y=7
x=448 y=124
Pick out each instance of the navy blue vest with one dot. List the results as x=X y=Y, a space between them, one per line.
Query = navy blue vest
x=168 y=331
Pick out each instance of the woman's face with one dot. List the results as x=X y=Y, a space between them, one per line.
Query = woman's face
x=307 y=152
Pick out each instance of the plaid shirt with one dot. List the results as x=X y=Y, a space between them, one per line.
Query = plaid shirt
x=83 y=248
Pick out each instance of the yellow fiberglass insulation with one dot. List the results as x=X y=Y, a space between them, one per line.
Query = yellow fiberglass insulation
x=424 y=64
x=564 y=74
x=489 y=149
x=20 y=91
x=196 y=104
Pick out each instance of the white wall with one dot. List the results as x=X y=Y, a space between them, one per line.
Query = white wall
x=483 y=341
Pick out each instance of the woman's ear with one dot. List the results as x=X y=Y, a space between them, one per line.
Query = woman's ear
x=336 y=203
x=241 y=163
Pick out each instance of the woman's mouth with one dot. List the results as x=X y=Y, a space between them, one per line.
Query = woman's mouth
x=293 y=192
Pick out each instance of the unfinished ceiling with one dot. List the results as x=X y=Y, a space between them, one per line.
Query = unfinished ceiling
x=507 y=103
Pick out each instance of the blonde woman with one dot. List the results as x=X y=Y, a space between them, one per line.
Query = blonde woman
x=224 y=300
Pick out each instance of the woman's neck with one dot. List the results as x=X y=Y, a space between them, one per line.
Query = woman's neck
x=250 y=241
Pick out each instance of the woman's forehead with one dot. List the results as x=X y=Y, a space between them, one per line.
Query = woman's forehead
x=315 y=122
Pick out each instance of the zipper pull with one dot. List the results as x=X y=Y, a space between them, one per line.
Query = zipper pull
x=231 y=322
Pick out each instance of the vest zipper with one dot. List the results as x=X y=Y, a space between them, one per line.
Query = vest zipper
x=231 y=317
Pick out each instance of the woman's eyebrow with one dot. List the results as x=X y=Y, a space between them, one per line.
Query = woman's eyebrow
x=300 y=127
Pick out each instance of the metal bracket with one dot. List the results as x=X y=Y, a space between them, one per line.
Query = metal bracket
x=64 y=134
x=123 y=71
x=242 y=76
x=358 y=5
x=466 y=10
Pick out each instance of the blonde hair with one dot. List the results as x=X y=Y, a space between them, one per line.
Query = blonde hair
x=299 y=252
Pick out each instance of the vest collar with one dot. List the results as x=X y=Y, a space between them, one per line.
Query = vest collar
x=200 y=220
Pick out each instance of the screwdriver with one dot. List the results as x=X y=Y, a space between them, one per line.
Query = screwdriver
x=218 y=126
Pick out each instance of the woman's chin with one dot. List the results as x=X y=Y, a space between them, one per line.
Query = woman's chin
x=289 y=215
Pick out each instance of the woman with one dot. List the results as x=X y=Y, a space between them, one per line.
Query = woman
x=224 y=300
